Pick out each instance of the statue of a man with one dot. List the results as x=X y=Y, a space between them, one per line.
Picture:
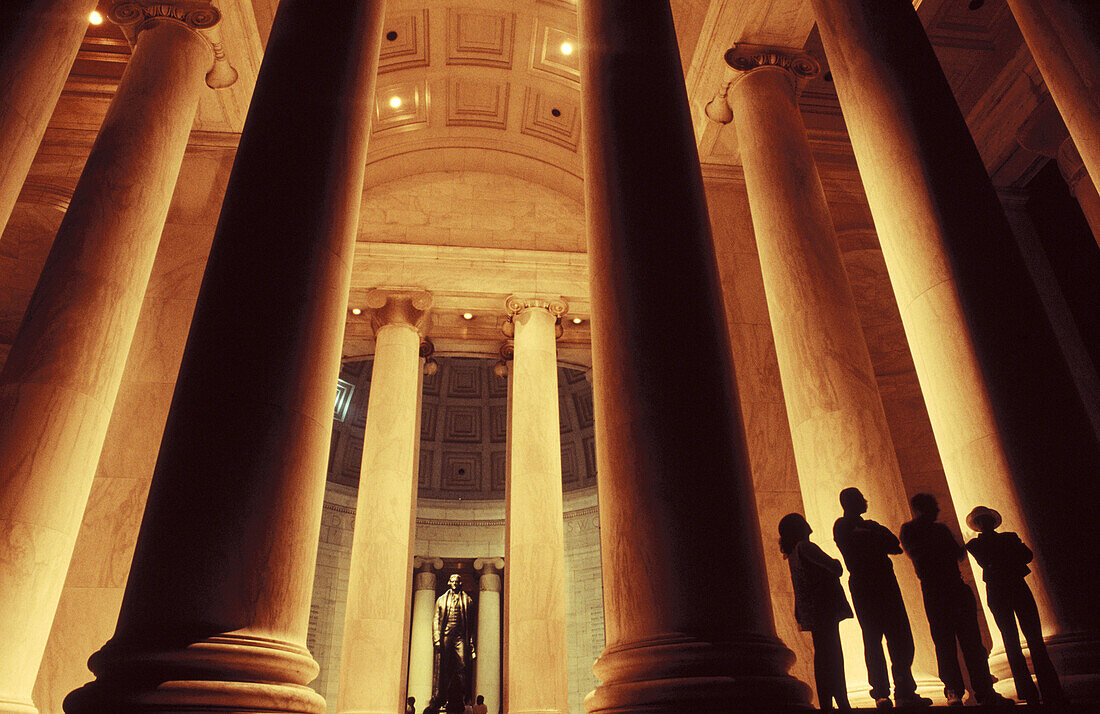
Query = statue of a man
x=453 y=637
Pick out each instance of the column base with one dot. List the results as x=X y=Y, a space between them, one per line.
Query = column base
x=17 y=706
x=859 y=691
x=677 y=673
x=1076 y=658
x=223 y=673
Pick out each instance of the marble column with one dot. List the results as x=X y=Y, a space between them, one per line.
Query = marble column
x=487 y=681
x=837 y=422
x=421 y=651
x=40 y=39
x=58 y=386
x=1083 y=188
x=216 y=607
x=1011 y=428
x=372 y=661
x=534 y=535
x=1064 y=39
x=675 y=488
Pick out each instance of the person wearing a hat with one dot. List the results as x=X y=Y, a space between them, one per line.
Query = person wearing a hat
x=1004 y=558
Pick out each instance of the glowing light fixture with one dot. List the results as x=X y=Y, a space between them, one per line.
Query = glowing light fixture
x=577 y=320
x=356 y=311
x=467 y=316
x=567 y=48
x=95 y=18
x=395 y=102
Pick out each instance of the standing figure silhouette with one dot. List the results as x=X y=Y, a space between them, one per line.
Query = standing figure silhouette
x=819 y=606
x=1004 y=559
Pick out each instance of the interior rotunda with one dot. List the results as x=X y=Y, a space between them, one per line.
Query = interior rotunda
x=602 y=288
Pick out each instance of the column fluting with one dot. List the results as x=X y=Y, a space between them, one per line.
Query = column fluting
x=39 y=48
x=839 y=429
x=534 y=541
x=421 y=651
x=216 y=608
x=372 y=661
x=59 y=383
x=488 y=631
x=675 y=488
x=1011 y=427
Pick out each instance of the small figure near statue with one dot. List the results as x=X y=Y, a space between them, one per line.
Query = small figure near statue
x=453 y=637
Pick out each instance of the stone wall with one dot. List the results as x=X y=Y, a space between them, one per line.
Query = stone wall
x=461 y=529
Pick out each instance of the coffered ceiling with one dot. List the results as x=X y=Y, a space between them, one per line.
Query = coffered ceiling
x=491 y=85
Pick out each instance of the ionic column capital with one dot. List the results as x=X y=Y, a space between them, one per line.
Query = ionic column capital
x=516 y=304
x=427 y=349
x=423 y=564
x=424 y=572
x=489 y=568
x=198 y=16
x=507 y=353
x=744 y=59
x=400 y=306
x=556 y=306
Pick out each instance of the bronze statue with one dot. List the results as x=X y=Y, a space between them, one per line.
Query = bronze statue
x=453 y=636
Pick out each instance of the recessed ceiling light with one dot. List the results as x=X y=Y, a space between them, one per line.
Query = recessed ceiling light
x=356 y=311
x=577 y=320
x=395 y=102
x=467 y=316
x=567 y=48
x=95 y=18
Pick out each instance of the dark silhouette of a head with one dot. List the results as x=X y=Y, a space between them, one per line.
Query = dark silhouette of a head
x=925 y=504
x=480 y=699
x=852 y=501
x=793 y=529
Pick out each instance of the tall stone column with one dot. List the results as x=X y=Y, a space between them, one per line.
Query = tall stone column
x=1064 y=39
x=59 y=383
x=488 y=631
x=372 y=661
x=1011 y=428
x=837 y=422
x=675 y=487
x=535 y=661
x=39 y=40
x=216 y=608
x=421 y=650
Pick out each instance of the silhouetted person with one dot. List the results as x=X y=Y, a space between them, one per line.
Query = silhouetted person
x=410 y=705
x=1004 y=559
x=479 y=705
x=819 y=606
x=949 y=603
x=453 y=637
x=866 y=547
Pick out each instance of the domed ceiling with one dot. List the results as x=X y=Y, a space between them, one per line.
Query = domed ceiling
x=463 y=429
